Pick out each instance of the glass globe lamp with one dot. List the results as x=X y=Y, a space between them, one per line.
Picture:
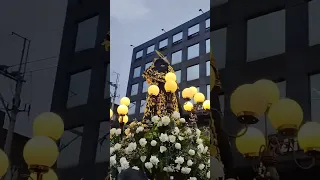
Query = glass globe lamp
x=170 y=86
x=125 y=101
x=250 y=143
x=188 y=106
x=269 y=90
x=309 y=137
x=187 y=93
x=206 y=105
x=40 y=153
x=50 y=175
x=4 y=163
x=111 y=113
x=194 y=90
x=153 y=90
x=48 y=124
x=170 y=77
x=123 y=119
x=286 y=116
x=248 y=104
x=199 y=98
x=122 y=110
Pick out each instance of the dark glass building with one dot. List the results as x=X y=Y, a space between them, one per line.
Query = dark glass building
x=273 y=39
x=187 y=48
x=80 y=94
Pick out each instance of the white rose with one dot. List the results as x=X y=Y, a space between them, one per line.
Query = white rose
x=162 y=149
x=188 y=131
x=170 y=169
x=200 y=148
x=172 y=138
x=117 y=146
x=189 y=163
x=191 y=152
x=160 y=124
x=193 y=178
x=155 y=119
x=208 y=174
x=199 y=141
x=118 y=132
x=112 y=150
x=165 y=169
x=198 y=132
x=176 y=115
x=180 y=138
x=176 y=131
x=185 y=170
x=139 y=129
x=165 y=120
x=153 y=143
x=201 y=166
x=123 y=159
x=135 y=168
x=154 y=160
x=163 y=137
x=177 y=146
x=179 y=160
x=205 y=150
x=182 y=120
x=113 y=131
x=148 y=165
x=143 y=142
x=113 y=160
x=143 y=158
x=125 y=165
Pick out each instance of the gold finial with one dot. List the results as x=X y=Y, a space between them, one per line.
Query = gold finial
x=106 y=42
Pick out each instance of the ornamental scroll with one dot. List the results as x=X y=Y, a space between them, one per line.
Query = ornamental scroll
x=106 y=42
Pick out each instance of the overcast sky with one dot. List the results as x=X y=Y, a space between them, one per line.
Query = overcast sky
x=138 y=21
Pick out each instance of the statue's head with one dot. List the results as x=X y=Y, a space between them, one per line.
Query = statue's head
x=161 y=65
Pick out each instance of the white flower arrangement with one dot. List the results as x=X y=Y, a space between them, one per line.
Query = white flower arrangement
x=167 y=148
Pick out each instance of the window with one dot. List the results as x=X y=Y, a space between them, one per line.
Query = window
x=145 y=86
x=208 y=68
x=261 y=124
x=314 y=23
x=148 y=65
x=79 y=89
x=139 y=54
x=177 y=37
x=193 y=51
x=71 y=143
x=208 y=91
x=221 y=100
x=193 y=30
x=219 y=45
x=132 y=108
x=163 y=43
x=208 y=23
x=86 y=35
x=142 y=106
x=208 y=46
x=134 y=89
x=193 y=72
x=315 y=97
x=150 y=49
x=266 y=36
x=102 y=148
x=176 y=57
x=136 y=72
x=178 y=74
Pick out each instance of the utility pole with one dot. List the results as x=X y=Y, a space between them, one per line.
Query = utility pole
x=116 y=86
x=18 y=77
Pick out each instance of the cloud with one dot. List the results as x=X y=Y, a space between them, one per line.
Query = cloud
x=128 y=9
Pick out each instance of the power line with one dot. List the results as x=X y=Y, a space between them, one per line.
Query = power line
x=37 y=60
x=42 y=69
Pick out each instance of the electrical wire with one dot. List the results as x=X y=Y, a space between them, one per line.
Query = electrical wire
x=34 y=61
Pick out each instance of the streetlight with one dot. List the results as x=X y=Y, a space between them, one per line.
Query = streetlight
x=50 y=175
x=48 y=124
x=40 y=153
x=123 y=111
x=4 y=163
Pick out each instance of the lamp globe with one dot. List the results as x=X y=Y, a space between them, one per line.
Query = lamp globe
x=170 y=86
x=122 y=110
x=269 y=90
x=4 y=163
x=153 y=90
x=199 y=98
x=124 y=119
x=248 y=104
x=125 y=101
x=40 y=151
x=187 y=93
x=48 y=124
x=111 y=113
x=206 y=105
x=50 y=175
x=309 y=136
x=188 y=106
x=250 y=143
x=194 y=90
x=286 y=116
x=170 y=77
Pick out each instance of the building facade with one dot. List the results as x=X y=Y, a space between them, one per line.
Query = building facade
x=81 y=92
x=273 y=39
x=187 y=47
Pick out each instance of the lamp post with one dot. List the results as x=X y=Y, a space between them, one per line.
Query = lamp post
x=41 y=152
x=262 y=99
x=122 y=112
x=50 y=175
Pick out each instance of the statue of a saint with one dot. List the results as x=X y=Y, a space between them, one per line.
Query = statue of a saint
x=155 y=75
